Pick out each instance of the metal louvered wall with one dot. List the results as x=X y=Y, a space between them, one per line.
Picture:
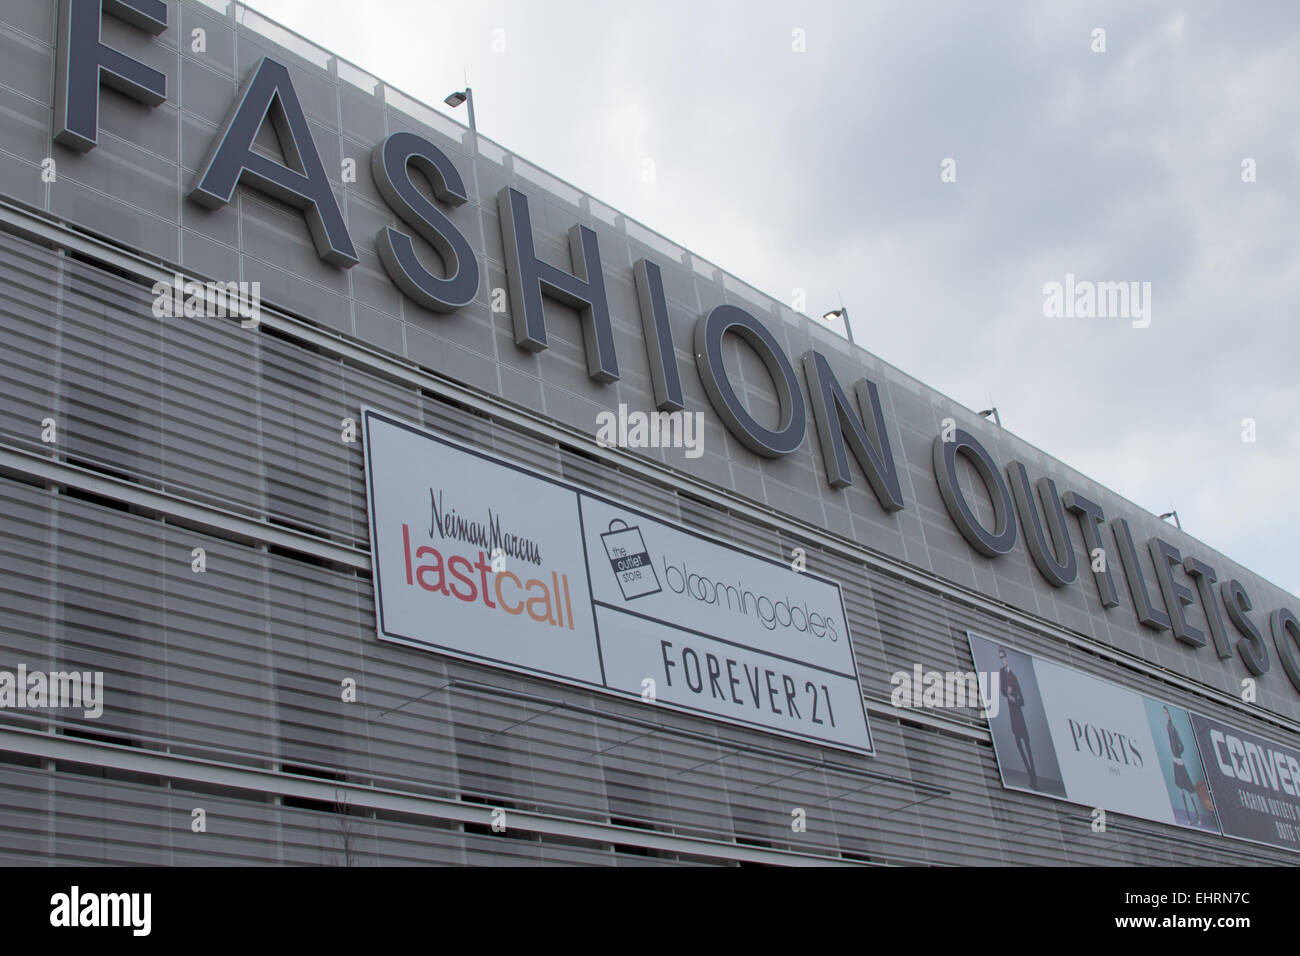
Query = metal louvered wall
x=223 y=688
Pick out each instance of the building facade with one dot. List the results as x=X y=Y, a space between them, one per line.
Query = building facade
x=189 y=501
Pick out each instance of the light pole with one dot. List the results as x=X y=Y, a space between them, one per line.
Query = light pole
x=841 y=313
x=463 y=96
x=1174 y=515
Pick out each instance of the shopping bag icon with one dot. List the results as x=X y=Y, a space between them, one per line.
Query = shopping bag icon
x=630 y=560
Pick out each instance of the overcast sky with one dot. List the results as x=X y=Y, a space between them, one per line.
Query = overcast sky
x=821 y=170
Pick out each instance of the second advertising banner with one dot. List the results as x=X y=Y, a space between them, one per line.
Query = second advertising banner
x=1069 y=735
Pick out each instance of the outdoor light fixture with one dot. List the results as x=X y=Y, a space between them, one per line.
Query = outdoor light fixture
x=463 y=96
x=1172 y=514
x=841 y=313
x=994 y=412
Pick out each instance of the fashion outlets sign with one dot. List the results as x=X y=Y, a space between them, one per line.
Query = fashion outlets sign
x=845 y=427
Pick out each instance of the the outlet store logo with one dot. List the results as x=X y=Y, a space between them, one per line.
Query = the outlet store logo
x=630 y=560
x=847 y=425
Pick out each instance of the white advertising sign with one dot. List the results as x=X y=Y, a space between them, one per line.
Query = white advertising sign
x=437 y=515
x=1068 y=735
x=486 y=561
x=1103 y=743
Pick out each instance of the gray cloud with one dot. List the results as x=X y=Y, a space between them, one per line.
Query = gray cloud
x=820 y=170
